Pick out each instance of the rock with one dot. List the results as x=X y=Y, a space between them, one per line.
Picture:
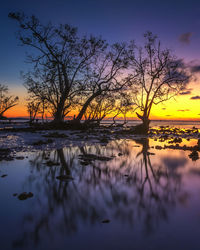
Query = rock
x=24 y=196
x=120 y=154
x=15 y=194
x=56 y=135
x=49 y=141
x=20 y=157
x=4 y=175
x=65 y=178
x=40 y=142
x=104 y=140
x=105 y=221
x=158 y=147
x=5 y=154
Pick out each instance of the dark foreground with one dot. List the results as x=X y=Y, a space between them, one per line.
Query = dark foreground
x=115 y=193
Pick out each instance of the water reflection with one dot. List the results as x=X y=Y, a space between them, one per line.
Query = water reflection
x=129 y=189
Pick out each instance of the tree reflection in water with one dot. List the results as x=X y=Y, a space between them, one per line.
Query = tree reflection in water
x=128 y=189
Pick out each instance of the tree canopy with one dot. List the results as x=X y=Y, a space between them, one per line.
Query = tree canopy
x=6 y=101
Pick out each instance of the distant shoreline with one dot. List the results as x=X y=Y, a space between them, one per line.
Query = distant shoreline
x=105 y=120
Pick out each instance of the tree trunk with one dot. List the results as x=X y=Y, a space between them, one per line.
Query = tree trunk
x=85 y=106
x=144 y=127
x=58 y=116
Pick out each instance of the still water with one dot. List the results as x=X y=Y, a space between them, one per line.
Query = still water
x=147 y=198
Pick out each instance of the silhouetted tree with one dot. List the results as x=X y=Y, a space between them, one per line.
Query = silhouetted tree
x=124 y=105
x=158 y=76
x=99 y=108
x=6 y=101
x=33 y=109
x=106 y=75
x=60 y=63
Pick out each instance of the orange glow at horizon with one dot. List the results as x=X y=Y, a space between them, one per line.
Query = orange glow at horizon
x=180 y=108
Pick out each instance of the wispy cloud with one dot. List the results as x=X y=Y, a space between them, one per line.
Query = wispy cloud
x=197 y=97
x=195 y=69
x=185 y=38
x=187 y=92
x=194 y=66
x=183 y=110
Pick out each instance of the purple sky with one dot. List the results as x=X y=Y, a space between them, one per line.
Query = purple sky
x=177 y=23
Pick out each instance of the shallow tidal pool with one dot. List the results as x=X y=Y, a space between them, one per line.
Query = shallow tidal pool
x=125 y=194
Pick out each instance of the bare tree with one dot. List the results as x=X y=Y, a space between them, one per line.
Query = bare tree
x=32 y=109
x=6 y=101
x=99 y=108
x=124 y=105
x=60 y=62
x=158 y=76
x=107 y=74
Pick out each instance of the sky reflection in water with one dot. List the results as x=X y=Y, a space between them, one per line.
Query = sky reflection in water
x=151 y=198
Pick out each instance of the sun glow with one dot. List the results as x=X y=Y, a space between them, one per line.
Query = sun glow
x=180 y=108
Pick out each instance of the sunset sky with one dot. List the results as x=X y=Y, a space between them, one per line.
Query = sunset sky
x=177 y=23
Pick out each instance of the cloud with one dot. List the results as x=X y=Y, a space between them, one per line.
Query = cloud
x=187 y=92
x=195 y=69
x=194 y=66
x=183 y=110
x=185 y=38
x=197 y=97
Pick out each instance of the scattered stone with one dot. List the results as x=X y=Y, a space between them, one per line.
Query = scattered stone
x=56 y=135
x=5 y=154
x=104 y=140
x=4 y=175
x=105 y=221
x=24 y=196
x=40 y=142
x=65 y=178
x=20 y=157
